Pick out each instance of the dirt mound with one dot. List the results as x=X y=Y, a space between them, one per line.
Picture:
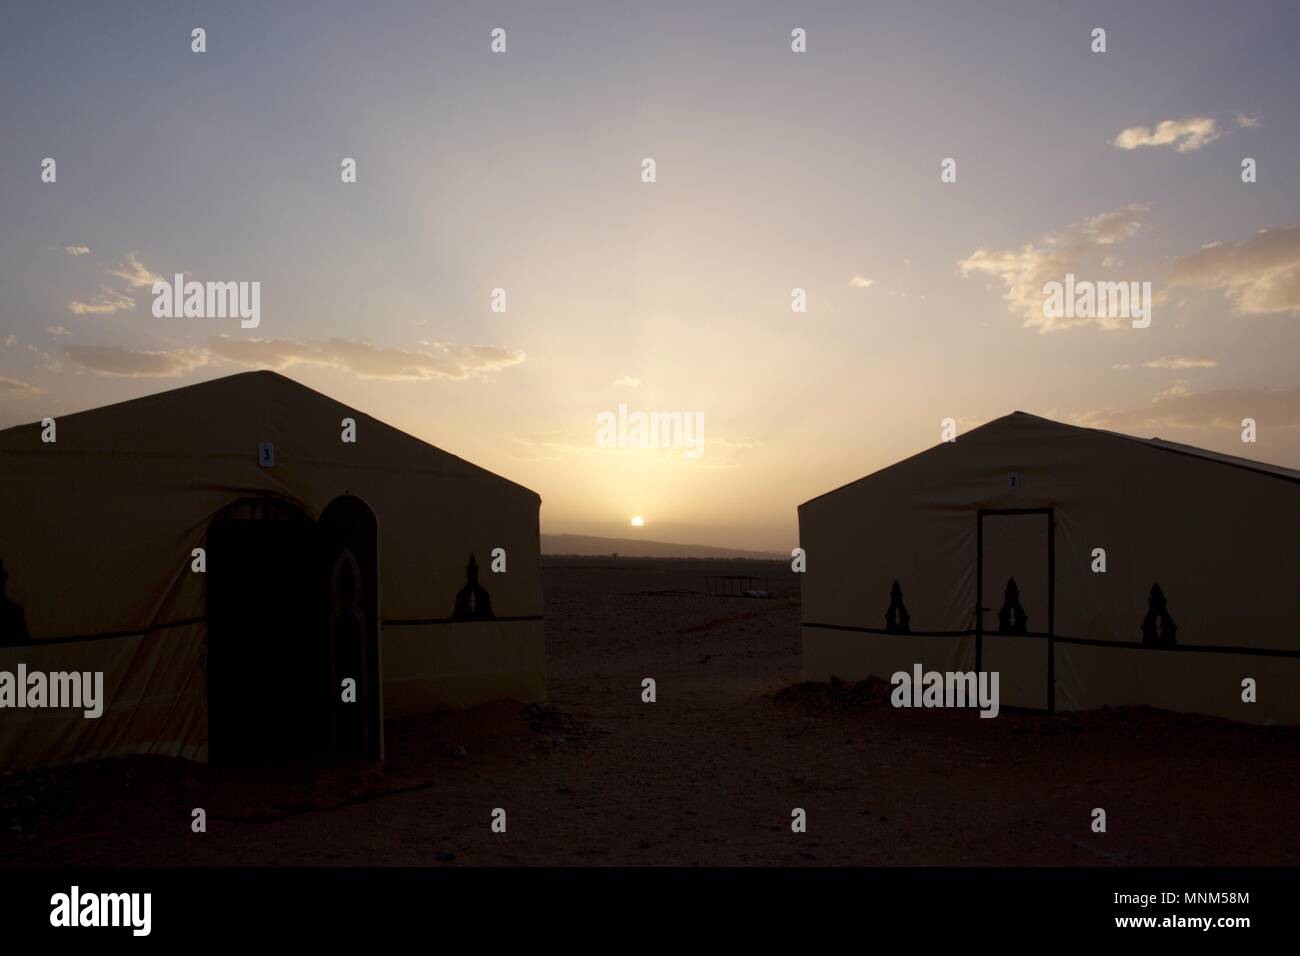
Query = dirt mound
x=837 y=696
x=873 y=694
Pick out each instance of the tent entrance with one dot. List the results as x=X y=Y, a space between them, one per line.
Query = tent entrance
x=1014 y=620
x=293 y=614
x=266 y=694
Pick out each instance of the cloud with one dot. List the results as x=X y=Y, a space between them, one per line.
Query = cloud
x=1184 y=135
x=135 y=273
x=46 y=360
x=1248 y=120
x=106 y=303
x=12 y=386
x=57 y=330
x=360 y=358
x=861 y=282
x=1106 y=228
x=77 y=250
x=1177 y=390
x=736 y=442
x=1025 y=270
x=1179 y=408
x=1259 y=275
x=627 y=381
x=437 y=360
x=1181 y=361
x=9 y=340
x=126 y=363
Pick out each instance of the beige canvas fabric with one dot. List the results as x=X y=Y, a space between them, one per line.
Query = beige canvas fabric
x=1217 y=534
x=96 y=533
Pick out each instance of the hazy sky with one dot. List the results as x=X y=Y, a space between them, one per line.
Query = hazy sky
x=775 y=170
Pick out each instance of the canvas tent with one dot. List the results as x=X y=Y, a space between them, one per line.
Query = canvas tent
x=326 y=561
x=979 y=554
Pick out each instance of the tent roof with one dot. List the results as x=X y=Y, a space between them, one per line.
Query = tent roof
x=222 y=400
x=1181 y=449
x=1024 y=418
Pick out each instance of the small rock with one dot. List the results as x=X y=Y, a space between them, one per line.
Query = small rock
x=444 y=857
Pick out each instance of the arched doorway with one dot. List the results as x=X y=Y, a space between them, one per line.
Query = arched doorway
x=349 y=542
x=265 y=602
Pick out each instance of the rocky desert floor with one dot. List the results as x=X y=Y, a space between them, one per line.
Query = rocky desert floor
x=707 y=775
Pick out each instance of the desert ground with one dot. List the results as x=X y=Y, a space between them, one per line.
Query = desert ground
x=707 y=775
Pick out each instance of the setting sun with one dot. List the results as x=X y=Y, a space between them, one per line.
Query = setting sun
x=637 y=521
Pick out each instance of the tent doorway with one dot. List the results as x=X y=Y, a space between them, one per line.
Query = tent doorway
x=1016 y=580
x=349 y=541
x=265 y=596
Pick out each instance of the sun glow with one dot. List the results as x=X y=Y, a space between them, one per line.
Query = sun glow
x=637 y=521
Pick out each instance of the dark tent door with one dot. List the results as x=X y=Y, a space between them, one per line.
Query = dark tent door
x=351 y=571
x=265 y=669
x=1016 y=580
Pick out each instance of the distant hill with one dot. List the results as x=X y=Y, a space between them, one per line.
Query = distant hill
x=637 y=548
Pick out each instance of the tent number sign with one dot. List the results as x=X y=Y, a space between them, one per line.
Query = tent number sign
x=266 y=454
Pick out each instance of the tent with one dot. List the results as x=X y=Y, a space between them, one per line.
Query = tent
x=1087 y=568
x=376 y=561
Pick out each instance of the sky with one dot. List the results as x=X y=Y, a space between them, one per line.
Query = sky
x=774 y=170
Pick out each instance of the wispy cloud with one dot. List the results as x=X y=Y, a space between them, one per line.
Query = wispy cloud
x=135 y=272
x=1104 y=229
x=1259 y=275
x=1181 y=362
x=360 y=358
x=435 y=360
x=1178 y=389
x=57 y=330
x=77 y=250
x=1248 y=120
x=627 y=381
x=106 y=303
x=128 y=363
x=45 y=359
x=861 y=282
x=1184 y=135
x=12 y=386
x=1026 y=269
x=736 y=443
x=1178 y=407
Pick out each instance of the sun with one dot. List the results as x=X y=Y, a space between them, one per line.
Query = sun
x=637 y=521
